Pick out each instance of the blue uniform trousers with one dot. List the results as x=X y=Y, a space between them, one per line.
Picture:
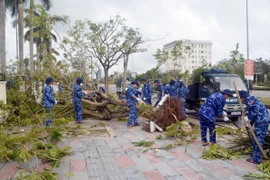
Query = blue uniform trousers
x=183 y=106
x=260 y=131
x=207 y=125
x=133 y=115
x=158 y=100
x=49 y=116
x=148 y=101
x=78 y=111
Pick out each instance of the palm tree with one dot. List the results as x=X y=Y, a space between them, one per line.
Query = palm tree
x=42 y=36
x=16 y=6
x=2 y=36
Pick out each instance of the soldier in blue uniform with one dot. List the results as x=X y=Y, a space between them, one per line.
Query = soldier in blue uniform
x=77 y=99
x=132 y=102
x=166 y=88
x=212 y=108
x=181 y=93
x=149 y=82
x=160 y=90
x=146 y=92
x=172 y=89
x=259 y=119
x=49 y=101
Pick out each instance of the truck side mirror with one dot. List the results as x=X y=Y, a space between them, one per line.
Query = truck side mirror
x=217 y=86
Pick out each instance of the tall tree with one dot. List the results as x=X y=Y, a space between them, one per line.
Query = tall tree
x=2 y=36
x=16 y=8
x=103 y=41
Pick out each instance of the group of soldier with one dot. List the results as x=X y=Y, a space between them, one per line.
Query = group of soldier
x=175 y=89
x=258 y=115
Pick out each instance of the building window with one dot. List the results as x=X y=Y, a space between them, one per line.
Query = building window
x=209 y=52
x=192 y=56
x=201 y=51
x=192 y=62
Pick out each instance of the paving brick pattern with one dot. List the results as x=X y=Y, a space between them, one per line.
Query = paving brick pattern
x=116 y=158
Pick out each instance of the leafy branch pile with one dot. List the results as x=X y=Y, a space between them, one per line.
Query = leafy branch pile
x=219 y=152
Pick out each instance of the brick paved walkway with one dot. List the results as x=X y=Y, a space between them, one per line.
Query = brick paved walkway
x=116 y=158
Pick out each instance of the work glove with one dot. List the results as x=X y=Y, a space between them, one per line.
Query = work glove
x=55 y=102
x=246 y=118
x=137 y=99
x=144 y=99
x=86 y=92
x=226 y=118
x=225 y=114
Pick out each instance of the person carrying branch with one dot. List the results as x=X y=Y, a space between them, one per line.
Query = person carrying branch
x=77 y=100
x=259 y=118
x=182 y=92
x=132 y=104
x=212 y=108
x=172 y=89
x=146 y=92
x=160 y=90
x=49 y=101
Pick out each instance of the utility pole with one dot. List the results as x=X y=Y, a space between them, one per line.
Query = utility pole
x=247 y=29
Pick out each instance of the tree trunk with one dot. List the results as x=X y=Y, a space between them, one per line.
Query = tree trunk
x=37 y=54
x=125 y=72
x=20 y=24
x=31 y=43
x=2 y=37
x=106 y=72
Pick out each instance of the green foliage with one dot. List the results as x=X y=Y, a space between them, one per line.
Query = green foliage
x=265 y=167
x=122 y=119
x=46 y=175
x=256 y=176
x=159 y=137
x=218 y=152
x=144 y=143
x=228 y=131
x=196 y=74
x=181 y=130
x=56 y=134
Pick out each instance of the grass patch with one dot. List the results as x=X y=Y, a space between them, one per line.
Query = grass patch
x=265 y=100
x=144 y=143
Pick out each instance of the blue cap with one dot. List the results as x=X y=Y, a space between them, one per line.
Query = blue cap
x=243 y=94
x=143 y=80
x=156 y=81
x=49 y=80
x=228 y=92
x=172 y=82
x=79 y=80
x=135 y=82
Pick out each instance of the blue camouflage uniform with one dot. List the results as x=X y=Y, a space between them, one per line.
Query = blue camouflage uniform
x=146 y=93
x=259 y=118
x=166 y=89
x=181 y=94
x=172 y=89
x=131 y=102
x=48 y=101
x=160 y=89
x=77 y=100
x=211 y=108
x=151 y=92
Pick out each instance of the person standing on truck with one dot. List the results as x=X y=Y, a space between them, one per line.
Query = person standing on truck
x=212 y=107
x=132 y=104
x=48 y=101
x=160 y=90
x=77 y=100
x=259 y=118
x=146 y=92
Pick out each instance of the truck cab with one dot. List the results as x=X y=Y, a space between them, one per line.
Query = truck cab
x=215 y=81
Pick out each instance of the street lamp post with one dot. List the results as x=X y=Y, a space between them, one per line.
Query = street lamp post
x=247 y=29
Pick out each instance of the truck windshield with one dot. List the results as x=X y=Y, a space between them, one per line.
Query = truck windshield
x=227 y=83
x=128 y=84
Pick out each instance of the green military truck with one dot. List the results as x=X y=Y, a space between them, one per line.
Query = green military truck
x=215 y=81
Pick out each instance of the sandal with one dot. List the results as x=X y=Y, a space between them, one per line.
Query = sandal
x=251 y=161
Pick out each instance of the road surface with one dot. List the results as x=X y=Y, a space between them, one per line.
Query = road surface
x=261 y=94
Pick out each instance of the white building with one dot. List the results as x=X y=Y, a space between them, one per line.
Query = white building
x=199 y=54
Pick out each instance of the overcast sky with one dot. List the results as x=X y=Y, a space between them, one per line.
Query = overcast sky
x=220 y=21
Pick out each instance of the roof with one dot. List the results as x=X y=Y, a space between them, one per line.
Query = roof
x=186 y=41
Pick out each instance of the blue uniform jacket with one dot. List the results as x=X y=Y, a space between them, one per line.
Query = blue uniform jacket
x=212 y=107
x=131 y=91
x=146 y=91
x=257 y=112
x=48 y=98
x=172 y=91
x=77 y=93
